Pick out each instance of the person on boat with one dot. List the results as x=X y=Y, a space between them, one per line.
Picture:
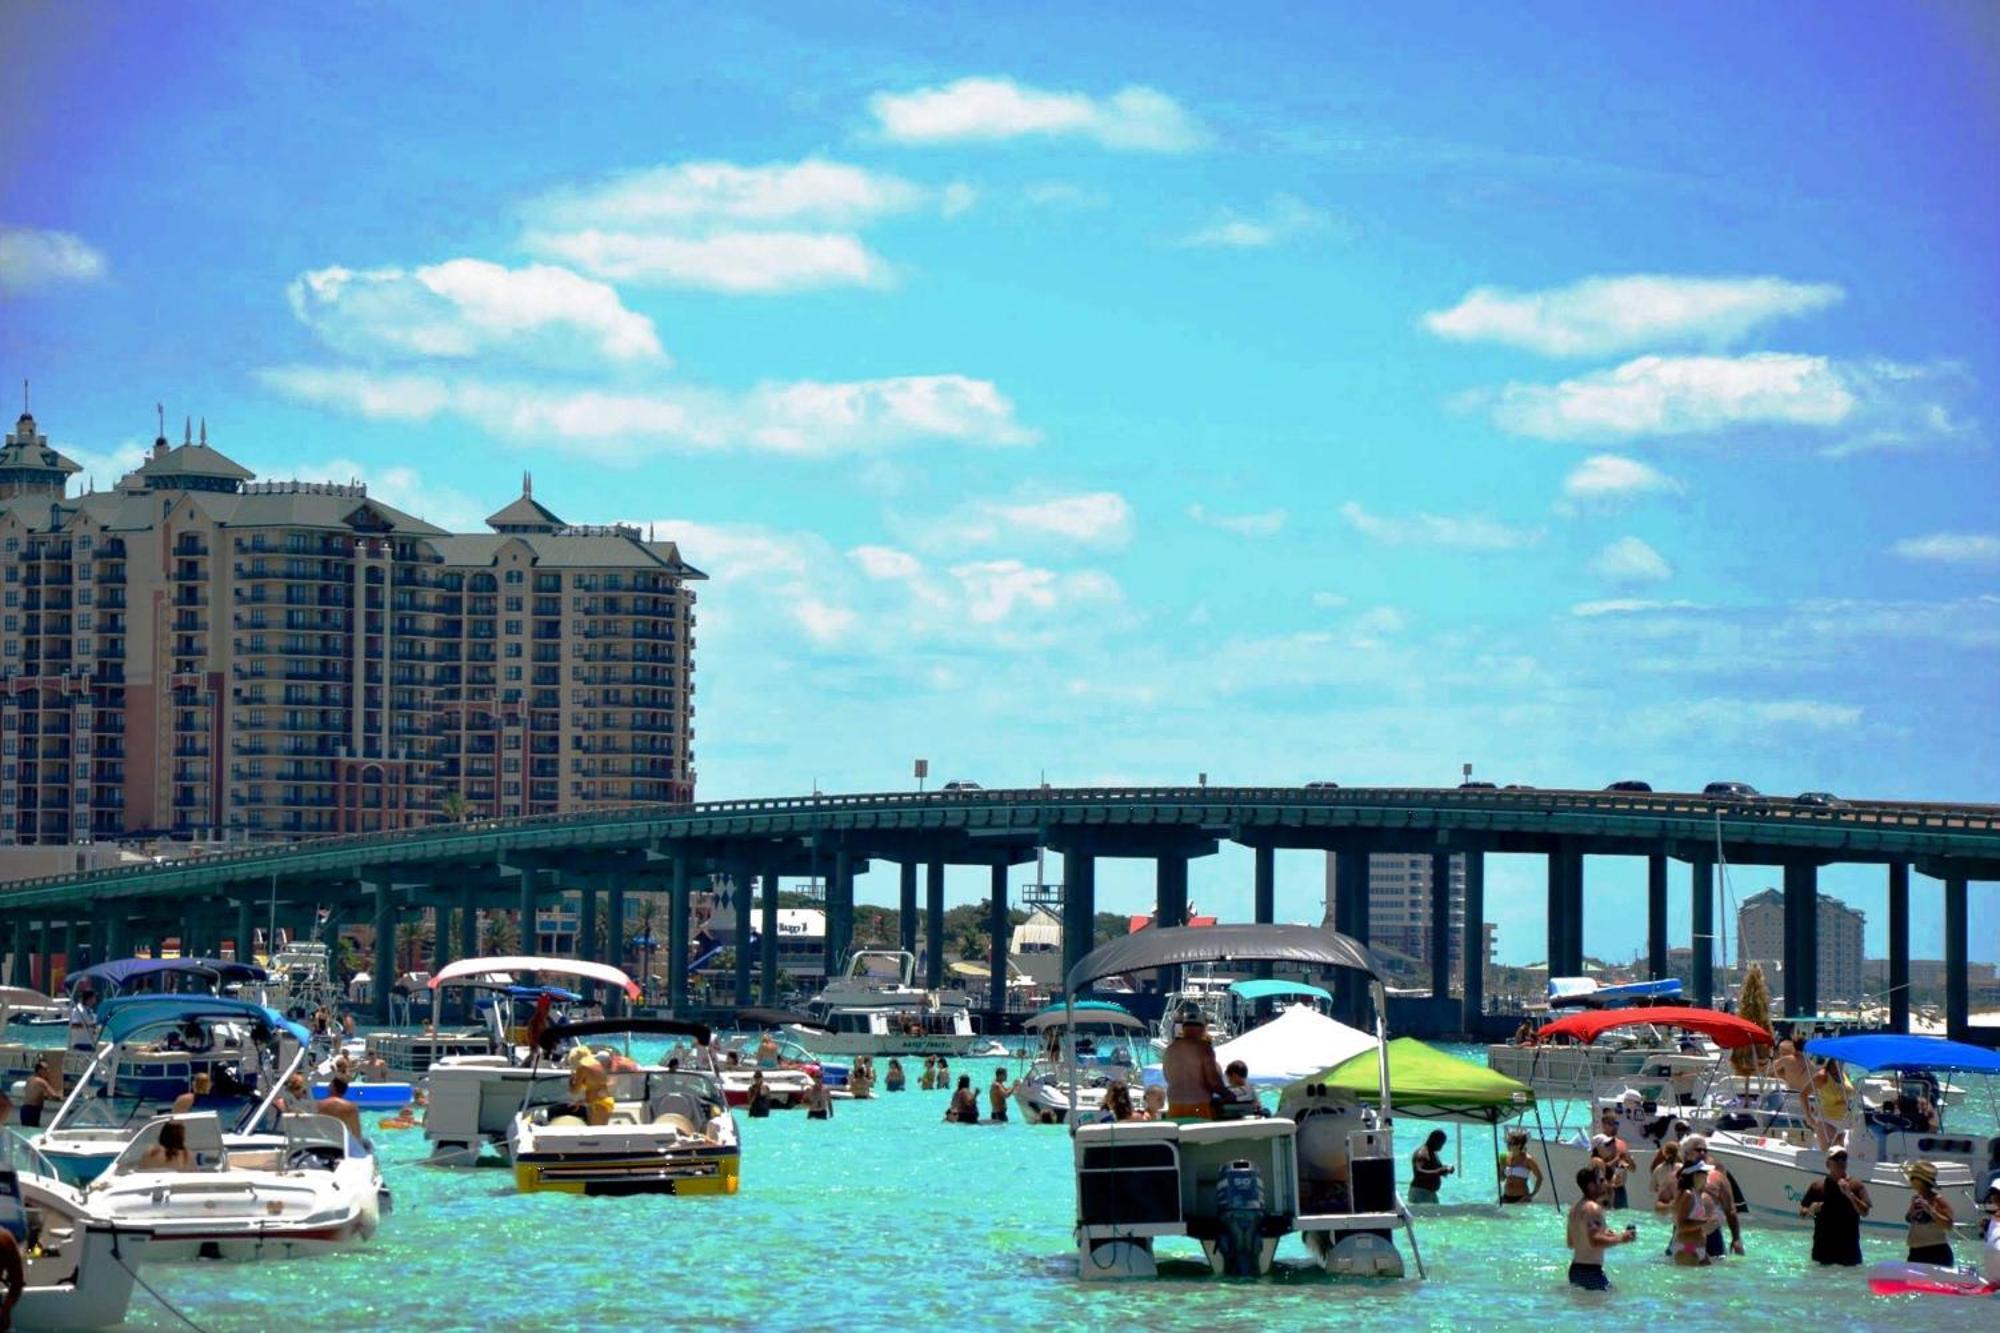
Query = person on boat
x=347 y=1025
x=591 y=1085
x=1153 y=1103
x=170 y=1151
x=1427 y=1169
x=997 y=1093
x=1930 y=1217
x=964 y=1108
x=1194 y=1079
x=1790 y=1068
x=335 y=1104
x=297 y=1097
x=819 y=1099
x=1517 y=1169
x=759 y=1096
x=1830 y=1097
x=894 y=1080
x=374 y=1068
x=43 y=1087
x=1836 y=1204
x=197 y=1089
x=1524 y=1035
x=1589 y=1236
x=767 y=1052
x=1239 y=1098
x=1118 y=1104
x=1721 y=1192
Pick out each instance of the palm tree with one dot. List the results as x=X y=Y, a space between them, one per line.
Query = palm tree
x=412 y=943
x=646 y=919
x=454 y=806
x=502 y=935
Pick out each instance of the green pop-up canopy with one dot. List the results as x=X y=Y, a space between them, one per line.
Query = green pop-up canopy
x=1428 y=1084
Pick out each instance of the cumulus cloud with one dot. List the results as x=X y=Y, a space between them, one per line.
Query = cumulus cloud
x=1282 y=218
x=813 y=191
x=1269 y=523
x=738 y=262
x=803 y=418
x=1607 y=315
x=993 y=590
x=1680 y=395
x=990 y=110
x=1094 y=518
x=1607 y=477
x=30 y=257
x=1629 y=560
x=1951 y=548
x=1629 y=606
x=1464 y=532
x=468 y=307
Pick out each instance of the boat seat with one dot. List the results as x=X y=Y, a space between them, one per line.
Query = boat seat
x=675 y=1121
x=567 y=1122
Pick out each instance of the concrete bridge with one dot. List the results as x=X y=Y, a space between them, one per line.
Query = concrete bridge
x=386 y=878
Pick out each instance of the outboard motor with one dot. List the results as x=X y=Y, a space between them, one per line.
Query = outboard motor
x=1239 y=1207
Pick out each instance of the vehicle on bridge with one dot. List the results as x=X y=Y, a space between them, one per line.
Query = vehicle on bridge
x=1630 y=784
x=1733 y=791
x=1821 y=800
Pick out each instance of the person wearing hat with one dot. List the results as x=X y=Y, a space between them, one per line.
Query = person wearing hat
x=1930 y=1217
x=1720 y=1192
x=1836 y=1205
x=1613 y=1161
x=1194 y=1079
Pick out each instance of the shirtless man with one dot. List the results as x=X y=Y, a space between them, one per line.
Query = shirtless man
x=1589 y=1237
x=335 y=1104
x=1194 y=1079
x=196 y=1091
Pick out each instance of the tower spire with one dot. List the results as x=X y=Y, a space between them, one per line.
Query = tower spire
x=527 y=483
x=24 y=396
x=187 y=430
x=160 y=409
x=204 y=431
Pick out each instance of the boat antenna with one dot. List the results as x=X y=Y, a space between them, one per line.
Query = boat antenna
x=1727 y=897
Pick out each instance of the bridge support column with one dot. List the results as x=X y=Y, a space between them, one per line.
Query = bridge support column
x=586 y=927
x=1801 y=939
x=1264 y=893
x=1079 y=908
x=767 y=953
x=934 y=924
x=385 y=950
x=1350 y=918
x=1472 y=944
x=1701 y=897
x=742 y=883
x=1170 y=906
x=440 y=938
x=1899 y=946
x=906 y=907
x=117 y=939
x=46 y=944
x=246 y=932
x=1565 y=927
x=1656 y=916
x=530 y=930
x=614 y=943
x=1440 y=925
x=1957 y=958
x=839 y=913
x=677 y=937
x=997 y=927
x=468 y=924
x=70 y=963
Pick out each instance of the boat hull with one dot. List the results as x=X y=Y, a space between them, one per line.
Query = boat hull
x=98 y=1292
x=701 y=1172
x=1774 y=1176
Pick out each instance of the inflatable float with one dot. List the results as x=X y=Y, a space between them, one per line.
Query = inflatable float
x=371 y=1096
x=1901 y=1279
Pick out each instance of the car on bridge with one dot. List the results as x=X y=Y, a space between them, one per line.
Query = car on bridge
x=1629 y=784
x=1477 y=786
x=1821 y=800
x=1322 y=786
x=962 y=784
x=1732 y=791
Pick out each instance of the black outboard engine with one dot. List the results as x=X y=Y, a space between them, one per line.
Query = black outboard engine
x=1239 y=1208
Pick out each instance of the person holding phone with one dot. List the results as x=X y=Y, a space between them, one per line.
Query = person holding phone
x=1589 y=1236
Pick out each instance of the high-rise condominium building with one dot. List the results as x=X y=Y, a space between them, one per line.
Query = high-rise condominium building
x=197 y=652
x=1399 y=905
x=1760 y=938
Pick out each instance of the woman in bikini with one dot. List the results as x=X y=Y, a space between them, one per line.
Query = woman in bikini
x=1693 y=1210
x=1517 y=1169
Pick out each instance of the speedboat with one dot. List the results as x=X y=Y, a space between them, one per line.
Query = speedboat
x=79 y=1268
x=1205 y=992
x=787 y=1067
x=1087 y=1049
x=1238 y=1186
x=669 y=1130
x=246 y=1050
x=301 y=981
x=310 y=1188
x=35 y=1027
x=475 y=1097
x=1773 y=1172
x=876 y=1008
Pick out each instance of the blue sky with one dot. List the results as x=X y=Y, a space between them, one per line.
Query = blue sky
x=1116 y=397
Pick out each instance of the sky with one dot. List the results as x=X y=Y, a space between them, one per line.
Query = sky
x=1100 y=395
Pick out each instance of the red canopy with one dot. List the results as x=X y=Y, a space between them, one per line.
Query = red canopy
x=1727 y=1029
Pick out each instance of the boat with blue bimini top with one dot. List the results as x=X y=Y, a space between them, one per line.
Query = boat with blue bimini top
x=1239 y=1185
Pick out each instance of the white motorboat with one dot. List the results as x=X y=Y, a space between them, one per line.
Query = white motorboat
x=1086 y=1049
x=1239 y=1186
x=309 y=1189
x=301 y=982
x=667 y=1130
x=80 y=1268
x=1207 y=993
x=35 y=1027
x=1773 y=1173
x=474 y=1097
x=876 y=1008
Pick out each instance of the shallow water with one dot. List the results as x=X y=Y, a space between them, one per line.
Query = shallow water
x=884 y=1216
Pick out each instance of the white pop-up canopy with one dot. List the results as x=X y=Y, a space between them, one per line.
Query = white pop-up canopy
x=1298 y=1043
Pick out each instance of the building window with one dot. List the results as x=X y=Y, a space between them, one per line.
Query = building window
x=513 y=673
x=512 y=626
x=13 y=597
x=514 y=605
x=13 y=624
x=513 y=650
x=515 y=576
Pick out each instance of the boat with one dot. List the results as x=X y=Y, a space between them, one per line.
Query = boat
x=35 y=1027
x=301 y=980
x=1210 y=995
x=876 y=1008
x=789 y=1072
x=1086 y=1048
x=1773 y=1172
x=1246 y=996
x=474 y=1096
x=309 y=1188
x=1239 y=1186
x=79 y=1268
x=250 y=1050
x=670 y=1130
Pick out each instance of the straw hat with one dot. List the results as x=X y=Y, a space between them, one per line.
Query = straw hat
x=1921 y=1171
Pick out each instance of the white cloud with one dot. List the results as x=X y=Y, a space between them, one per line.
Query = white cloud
x=1465 y=533
x=801 y=418
x=1748 y=714
x=467 y=307
x=996 y=590
x=686 y=194
x=1381 y=620
x=1951 y=548
x=885 y=562
x=1266 y=524
x=969 y=110
x=1607 y=315
x=738 y=262
x=1606 y=477
x=1100 y=518
x=1329 y=601
x=1629 y=606
x=1629 y=560
x=30 y=257
x=102 y=470
x=1284 y=217
x=1680 y=395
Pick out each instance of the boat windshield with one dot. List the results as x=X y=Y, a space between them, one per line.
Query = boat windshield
x=22 y=1157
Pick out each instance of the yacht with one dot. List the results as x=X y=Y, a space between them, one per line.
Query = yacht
x=1210 y=995
x=301 y=981
x=669 y=1132
x=876 y=1008
x=79 y=1268
x=1086 y=1049
x=310 y=1188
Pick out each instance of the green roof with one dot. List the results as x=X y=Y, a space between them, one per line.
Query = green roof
x=194 y=460
x=1427 y=1084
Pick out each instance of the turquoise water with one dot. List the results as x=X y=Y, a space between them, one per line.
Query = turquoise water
x=884 y=1216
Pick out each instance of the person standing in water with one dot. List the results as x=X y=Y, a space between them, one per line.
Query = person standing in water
x=1427 y=1169
x=1836 y=1205
x=759 y=1097
x=1589 y=1236
x=1930 y=1217
x=893 y=1079
x=819 y=1099
x=1517 y=1169
x=964 y=1108
x=997 y=1093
